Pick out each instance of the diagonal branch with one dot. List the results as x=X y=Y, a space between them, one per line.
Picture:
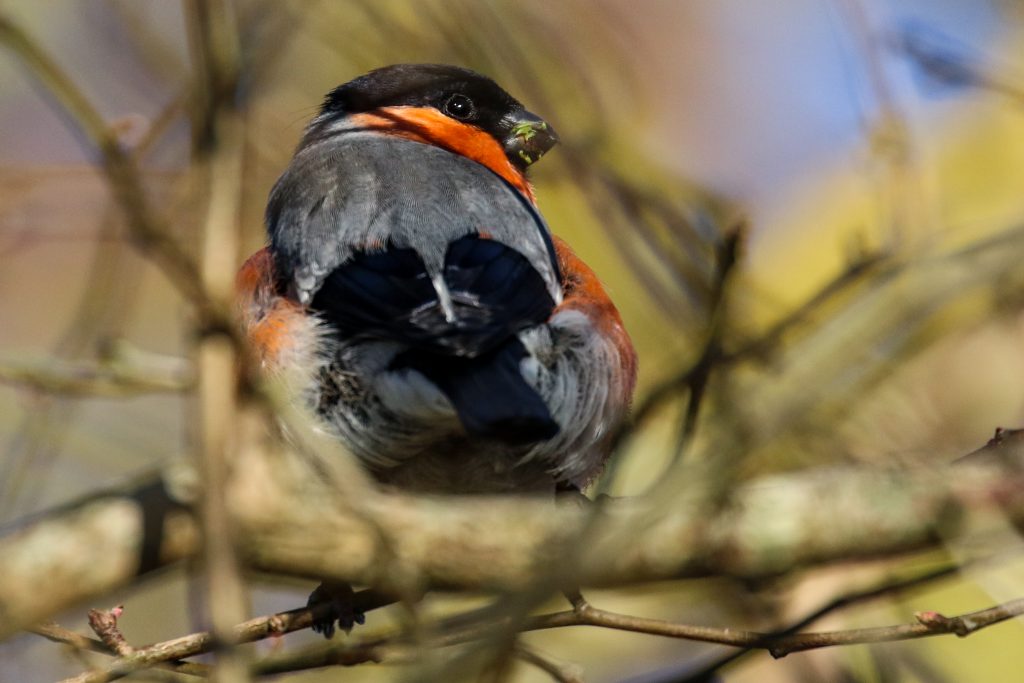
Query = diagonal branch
x=109 y=380
x=138 y=659
x=927 y=624
x=886 y=588
x=559 y=672
x=759 y=347
x=148 y=229
x=58 y=634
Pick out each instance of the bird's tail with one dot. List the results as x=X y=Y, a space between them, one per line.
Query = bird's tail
x=489 y=393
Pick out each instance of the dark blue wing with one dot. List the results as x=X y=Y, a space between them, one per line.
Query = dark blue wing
x=488 y=392
x=494 y=293
x=375 y=294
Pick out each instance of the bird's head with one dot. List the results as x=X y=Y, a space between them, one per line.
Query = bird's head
x=447 y=106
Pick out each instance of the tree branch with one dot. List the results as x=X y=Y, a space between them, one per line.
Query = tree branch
x=469 y=627
x=218 y=132
x=148 y=230
x=109 y=380
x=756 y=348
x=496 y=542
x=132 y=660
x=927 y=624
x=562 y=673
x=76 y=640
x=886 y=588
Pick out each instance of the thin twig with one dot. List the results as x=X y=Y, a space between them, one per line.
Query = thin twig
x=928 y=623
x=562 y=673
x=104 y=305
x=59 y=634
x=104 y=623
x=727 y=256
x=203 y=642
x=398 y=648
x=885 y=588
x=954 y=66
x=148 y=230
x=395 y=649
x=853 y=274
x=758 y=348
x=108 y=380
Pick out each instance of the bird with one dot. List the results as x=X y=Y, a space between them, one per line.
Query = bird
x=418 y=303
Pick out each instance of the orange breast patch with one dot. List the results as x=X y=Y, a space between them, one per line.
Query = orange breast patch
x=428 y=125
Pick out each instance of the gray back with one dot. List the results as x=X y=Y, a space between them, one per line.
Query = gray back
x=359 y=191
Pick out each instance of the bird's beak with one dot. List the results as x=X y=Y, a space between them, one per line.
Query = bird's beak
x=530 y=139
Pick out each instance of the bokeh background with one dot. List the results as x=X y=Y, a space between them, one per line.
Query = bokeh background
x=831 y=128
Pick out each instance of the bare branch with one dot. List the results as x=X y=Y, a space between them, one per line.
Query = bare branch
x=218 y=141
x=91 y=548
x=104 y=623
x=885 y=588
x=109 y=380
x=761 y=346
x=194 y=644
x=59 y=634
x=501 y=542
x=927 y=624
x=562 y=673
x=148 y=230
x=395 y=649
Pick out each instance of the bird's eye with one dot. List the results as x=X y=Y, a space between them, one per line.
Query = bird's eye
x=459 y=107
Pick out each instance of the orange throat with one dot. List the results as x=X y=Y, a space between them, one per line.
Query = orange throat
x=428 y=125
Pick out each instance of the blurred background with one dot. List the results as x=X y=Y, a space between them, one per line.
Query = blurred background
x=840 y=133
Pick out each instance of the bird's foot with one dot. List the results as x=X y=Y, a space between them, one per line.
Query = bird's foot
x=342 y=611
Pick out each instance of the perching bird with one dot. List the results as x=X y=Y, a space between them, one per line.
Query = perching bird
x=414 y=290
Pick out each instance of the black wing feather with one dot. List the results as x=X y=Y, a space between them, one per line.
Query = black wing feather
x=495 y=292
x=374 y=292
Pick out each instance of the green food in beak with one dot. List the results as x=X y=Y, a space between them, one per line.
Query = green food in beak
x=530 y=139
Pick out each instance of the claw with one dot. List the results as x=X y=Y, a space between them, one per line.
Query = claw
x=342 y=608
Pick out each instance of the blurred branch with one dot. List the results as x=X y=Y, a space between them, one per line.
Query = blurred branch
x=727 y=256
x=76 y=640
x=147 y=229
x=854 y=274
x=656 y=229
x=562 y=673
x=497 y=543
x=92 y=547
x=757 y=348
x=108 y=295
x=218 y=142
x=59 y=634
x=901 y=186
x=953 y=67
x=886 y=588
x=108 y=380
